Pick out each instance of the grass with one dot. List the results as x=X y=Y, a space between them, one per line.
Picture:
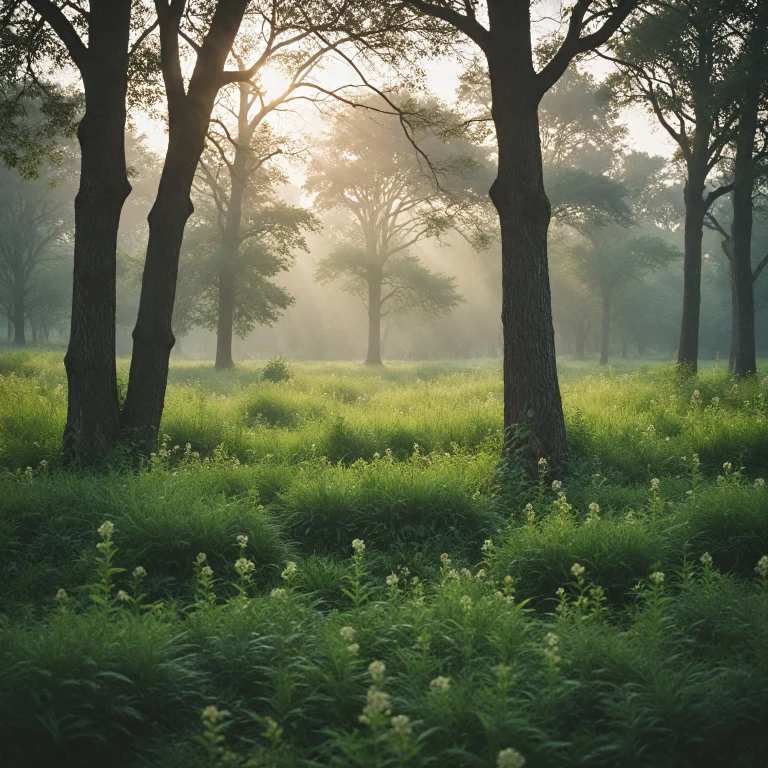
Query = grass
x=458 y=578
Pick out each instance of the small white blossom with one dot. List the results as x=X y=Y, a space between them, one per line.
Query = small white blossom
x=244 y=566
x=62 y=596
x=445 y=560
x=706 y=558
x=106 y=529
x=487 y=545
x=353 y=649
x=655 y=484
x=440 y=684
x=466 y=602
x=378 y=703
x=556 y=485
x=200 y=559
x=377 y=670
x=392 y=579
x=759 y=483
x=206 y=571
x=551 y=639
x=279 y=594
x=347 y=634
x=657 y=577
x=289 y=571
x=139 y=572
x=242 y=541
x=510 y=758
x=358 y=545
x=577 y=570
x=401 y=725
x=761 y=569
x=122 y=595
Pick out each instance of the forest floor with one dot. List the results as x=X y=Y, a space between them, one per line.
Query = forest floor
x=337 y=570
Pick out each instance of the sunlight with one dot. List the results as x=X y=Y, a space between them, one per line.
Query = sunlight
x=272 y=83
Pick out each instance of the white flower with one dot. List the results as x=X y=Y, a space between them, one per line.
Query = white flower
x=551 y=639
x=445 y=560
x=480 y=575
x=244 y=567
x=62 y=596
x=440 y=684
x=353 y=648
x=378 y=703
x=510 y=758
x=242 y=541
x=139 y=572
x=594 y=508
x=559 y=591
x=206 y=571
x=392 y=579
x=200 y=559
x=657 y=577
x=401 y=725
x=466 y=602
x=358 y=545
x=577 y=570
x=655 y=484
x=289 y=571
x=761 y=569
x=727 y=466
x=347 y=634
x=759 y=483
x=122 y=595
x=106 y=529
x=487 y=545
x=377 y=670
x=706 y=558
x=556 y=485
x=279 y=594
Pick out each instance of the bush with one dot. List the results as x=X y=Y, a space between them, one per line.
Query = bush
x=277 y=370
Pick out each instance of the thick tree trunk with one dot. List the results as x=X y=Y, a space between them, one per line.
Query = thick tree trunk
x=688 y=349
x=605 y=341
x=153 y=336
x=734 y=312
x=745 y=363
x=92 y=404
x=374 y=320
x=228 y=263
x=19 y=319
x=530 y=369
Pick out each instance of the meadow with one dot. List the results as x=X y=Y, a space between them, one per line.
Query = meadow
x=338 y=570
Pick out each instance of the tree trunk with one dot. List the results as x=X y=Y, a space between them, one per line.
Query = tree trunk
x=228 y=265
x=19 y=319
x=92 y=405
x=745 y=363
x=374 y=320
x=580 y=340
x=688 y=349
x=734 y=313
x=624 y=349
x=605 y=342
x=531 y=390
x=189 y=111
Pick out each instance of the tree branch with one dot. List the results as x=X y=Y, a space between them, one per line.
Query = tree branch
x=62 y=26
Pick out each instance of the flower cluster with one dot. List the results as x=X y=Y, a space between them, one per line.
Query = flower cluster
x=761 y=569
x=440 y=684
x=358 y=545
x=510 y=758
x=657 y=578
x=244 y=567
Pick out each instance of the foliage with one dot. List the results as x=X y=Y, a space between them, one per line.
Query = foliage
x=277 y=370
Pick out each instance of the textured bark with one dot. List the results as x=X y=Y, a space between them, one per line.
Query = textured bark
x=374 y=320
x=92 y=404
x=189 y=113
x=732 y=349
x=605 y=340
x=745 y=363
x=695 y=210
x=530 y=370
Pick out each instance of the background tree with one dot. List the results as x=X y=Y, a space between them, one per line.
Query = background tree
x=367 y=169
x=35 y=227
x=677 y=60
x=530 y=370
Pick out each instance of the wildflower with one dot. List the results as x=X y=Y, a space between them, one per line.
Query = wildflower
x=289 y=571
x=401 y=725
x=353 y=649
x=242 y=541
x=273 y=731
x=465 y=573
x=122 y=595
x=279 y=594
x=695 y=396
x=207 y=572
x=347 y=634
x=487 y=545
x=62 y=596
x=358 y=545
x=655 y=484
x=445 y=560
x=577 y=570
x=510 y=758
x=106 y=529
x=211 y=716
x=559 y=591
x=377 y=670
x=480 y=575
x=696 y=461
x=200 y=559
x=244 y=567
x=594 y=508
x=530 y=514
x=759 y=483
x=706 y=559
x=761 y=569
x=542 y=462
x=452 y=574
x=556 y=485
x=378 y=703
x=139 y=572
x=392 y=579
x=551 y=639
x=657 y=577
x=715 y=401
x=440 y=684
x=727 y=466
x=466 y=602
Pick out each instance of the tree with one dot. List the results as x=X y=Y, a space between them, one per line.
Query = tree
x=228 y=282
x=753 y=72
x=678 y=61
x=530 y=370
x=34 y=228
x=367 y=169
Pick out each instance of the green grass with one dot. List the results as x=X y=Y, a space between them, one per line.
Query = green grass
x=641 y=673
